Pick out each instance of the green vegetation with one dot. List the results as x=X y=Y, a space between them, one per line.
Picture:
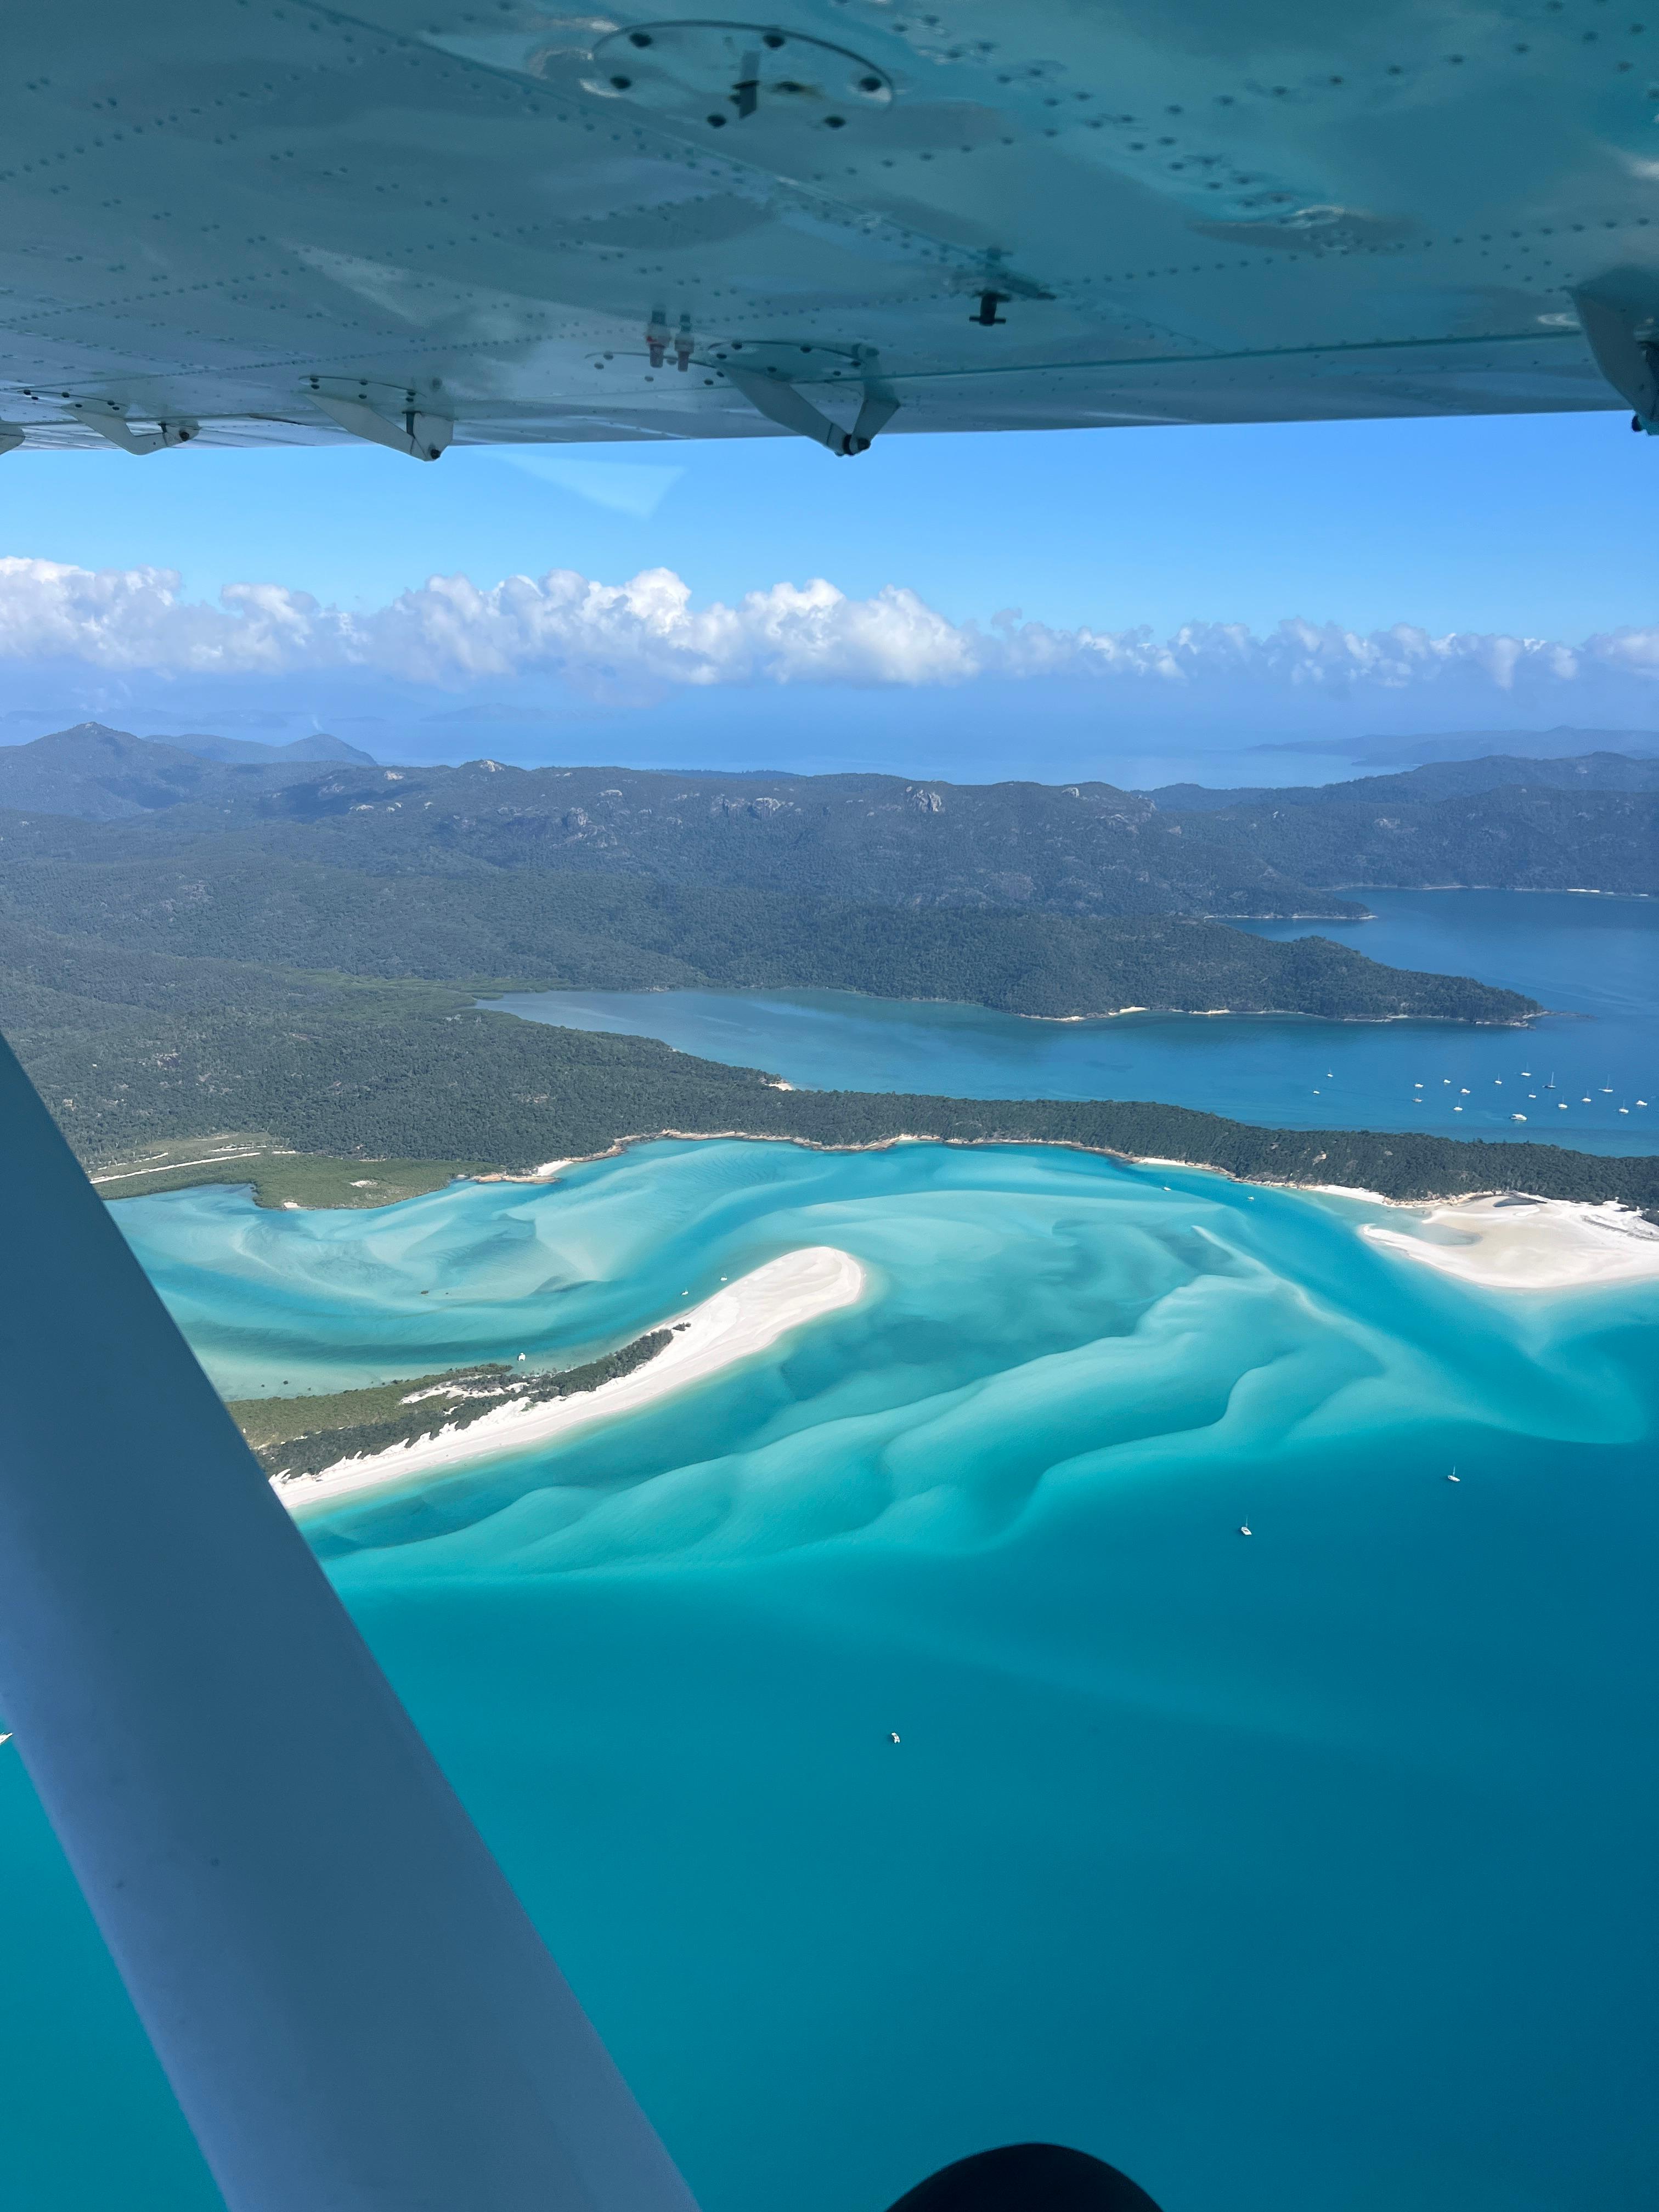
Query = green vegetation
x=293 y=1437
x=279 y=1177
x=601 y=932
x=397 y=1080
x=400 y=1084
x=1518 y=838
x=294 y=957
x=1084 y=849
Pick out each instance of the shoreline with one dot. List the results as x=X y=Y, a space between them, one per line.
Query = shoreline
x=547 y=1171
x=1509 y=1241
x=615 y=1150
x=740 y=1319
x=498 y=1006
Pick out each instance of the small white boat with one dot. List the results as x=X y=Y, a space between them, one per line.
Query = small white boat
x=1453 y=1476
x=1517 y=1117
x=1624 y=1109
x=1246 y=1530
x=892 y=1736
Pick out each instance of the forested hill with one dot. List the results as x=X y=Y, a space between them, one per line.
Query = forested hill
x=623 y=932
x=1080 y=849
x=1518 y=838
x=1086 y=848
x=102 y=775
x=131 y=1052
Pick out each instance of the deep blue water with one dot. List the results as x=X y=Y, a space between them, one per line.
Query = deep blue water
x=1594 y=962
x=1309 y=1874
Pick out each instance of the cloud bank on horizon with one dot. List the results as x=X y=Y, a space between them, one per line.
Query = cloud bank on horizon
x=453 y=635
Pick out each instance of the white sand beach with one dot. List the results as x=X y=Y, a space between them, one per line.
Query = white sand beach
x=1512 y=1243
x=741 y=1318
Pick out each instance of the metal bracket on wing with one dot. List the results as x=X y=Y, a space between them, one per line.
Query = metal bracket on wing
x=421 y=436
x=110 y=421
x=1623 y=333
x=778 y=399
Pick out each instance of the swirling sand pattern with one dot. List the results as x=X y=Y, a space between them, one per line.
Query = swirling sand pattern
x=1309 y=1874
x=1037 y=1321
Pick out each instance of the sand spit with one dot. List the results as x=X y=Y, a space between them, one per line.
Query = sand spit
x=741 y=1318
x=1513 y=1243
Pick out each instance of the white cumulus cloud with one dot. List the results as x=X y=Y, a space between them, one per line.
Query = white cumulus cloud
x=452 y=634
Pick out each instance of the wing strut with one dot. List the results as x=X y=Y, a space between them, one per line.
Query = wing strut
x=350 y=2003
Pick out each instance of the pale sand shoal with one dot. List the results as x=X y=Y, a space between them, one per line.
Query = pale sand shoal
x=742 y=1318
x=1513 y=1243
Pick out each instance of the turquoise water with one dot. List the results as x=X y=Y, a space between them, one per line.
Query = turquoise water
x=1309 y=1874
x=1594 y=962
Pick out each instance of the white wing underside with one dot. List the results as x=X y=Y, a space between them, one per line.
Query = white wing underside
x=521 y=224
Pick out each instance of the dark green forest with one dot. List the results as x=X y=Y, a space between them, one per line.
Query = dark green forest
x=627 y=933
x=410 y=1072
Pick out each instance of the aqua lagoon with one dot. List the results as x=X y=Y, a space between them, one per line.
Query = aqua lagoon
x=1306 y=1872
x=1593 y=962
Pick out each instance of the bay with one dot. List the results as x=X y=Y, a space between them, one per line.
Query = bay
x=1594 y=962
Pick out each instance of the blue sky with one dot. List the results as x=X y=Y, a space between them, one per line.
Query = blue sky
x=1487 y=531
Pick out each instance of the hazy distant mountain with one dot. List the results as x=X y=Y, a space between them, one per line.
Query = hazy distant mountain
x=1085 y=849
x=1449 y=779
x=1480 y=745
x=1078 y=848
x=319 y=746
x=106 y=776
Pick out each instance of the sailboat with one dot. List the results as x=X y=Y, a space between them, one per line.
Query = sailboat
x=1550 y=1085
x=1453 y=1476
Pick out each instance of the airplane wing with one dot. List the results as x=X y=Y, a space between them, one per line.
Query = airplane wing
x=424 y=222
